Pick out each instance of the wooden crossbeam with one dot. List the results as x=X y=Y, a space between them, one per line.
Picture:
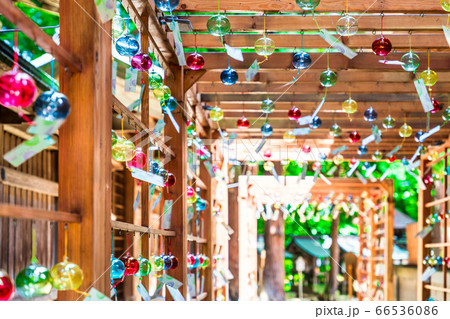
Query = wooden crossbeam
x=424 y=41
x=42 y=39
x=26 y=181
x=439 y=61
x=332 y=6
x=140 y=229
x=286 y=23
x=22 y=212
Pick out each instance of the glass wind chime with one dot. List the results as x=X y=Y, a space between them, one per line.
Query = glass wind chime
x=347 y=25
x=264 y=46
x=382 y=46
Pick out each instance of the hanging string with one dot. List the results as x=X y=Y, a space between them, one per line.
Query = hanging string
x=382 y=16
x=314 y=18
x=33 y=243
x=346 y=7
x=328 y=59
x=121 y=122
x=448 y=20
x=195 y=42
x=264 y=32
x=128 y=252
x=65 y=242
x=218 y=6
x=410 y=35
x=112 y=241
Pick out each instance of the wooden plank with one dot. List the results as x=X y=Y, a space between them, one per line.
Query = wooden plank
x=198 y=181
x=141 y=229
x=85 y=184
x=38 y=36
x=122 y=109
x=200 y=297
x=197 y=239
x=286 y=23
x=441 y=289
x=438 y=60
x=332 y=6
x=389 y=240
x=302 y=87
x=26 y=181
x=437 y=202
x=422 y=41
x=23 y=212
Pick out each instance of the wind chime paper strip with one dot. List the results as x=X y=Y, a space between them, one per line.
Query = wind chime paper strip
x=137 y=103
x=339 y=150
x=114 y=77
x=426 y=135
x=172 y=119
x=251 y=71
x=326 y=180
x=428 y=273
x=304 y=170
x=130 y=80
x=167 y=214
x=413 y=165
x=447 y=34
x=28 y=149
x=335 y=43
x=95 y=295
x=332 y=170
x=392 y=62
x=385 y=174
x=318 y=108
x=147 y=177
x=190 y=213
x=423 y=95
x=353 y=168
x=361 y=178
x=209 y=168
x=274 y=173
x=376 y=132
x=261 y=145
x=316 y=174
x=424 y=232
x=234 y=53
x=42 y=127
x=370 y=170
x=417 y=153
x=156 y=202
x=178 y=44
x=143 y=292
x=395 y=150
x=176 y=294
x=419 y=180
x=106 y=9
x=301 y=131
x=231 y=138
x=304 y=120
x=233 y=185
x=159 y=127
x=369 y=139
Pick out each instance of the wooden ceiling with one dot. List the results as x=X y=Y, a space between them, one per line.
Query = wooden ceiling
x=387 y=88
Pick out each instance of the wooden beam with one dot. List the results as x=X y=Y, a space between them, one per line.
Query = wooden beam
x=197 y=239
x=301 y=87
x=22 y=212
x=37 y=35
x=286 y=23
x=85 y=183
x=141 y=229
x=332 y=6
x=438 y=61
x=143 y=26
x=399 y=40
x=192 y=77
x=26 y=181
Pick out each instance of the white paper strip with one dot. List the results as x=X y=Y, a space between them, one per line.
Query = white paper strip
x=392 y=62
x=417 y=153
x=147 y=177
x=335 y=43
x=318 y=108
x=368 y=139
x=370 y=170
x=114 y=77
x=385 y=174
x=304 y=169
x=274 y=173
x=159 y=127
x=353 y=168
x=234 y=185
x=447 y=34
x=332 y=170
x=428 y=273
x=316 y=174
x=251 y=71
x=301 y=131
x=414 y=165
x=172 y=119
x=261 y=145
x=178 y=43
x=339 y=149
x=419 y=180
x=130 y=80
x=326 y=180
x=429 y=133
x=234 y=53
x=305 y=120
x=423 y=95
x=395 y=150
x=361 y=178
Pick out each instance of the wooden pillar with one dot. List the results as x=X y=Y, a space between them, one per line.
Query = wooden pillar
x=85 y=144
x=208 y=223
x=334 y=262
x=178 y=166
x=273 y=275
x=233 y=217
x=389 y=242
x=424 y=212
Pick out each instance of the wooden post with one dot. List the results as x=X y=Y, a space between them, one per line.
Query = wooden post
x=274 y=269
x=85 y=144
x=178 y=166
x=424 y=212
x=389 y=242
x=208 y=221
x=334 y=262
x=233 y=216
